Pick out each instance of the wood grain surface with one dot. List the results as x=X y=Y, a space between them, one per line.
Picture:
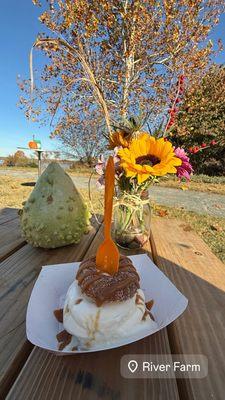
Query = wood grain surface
x=17 y=276
x=10 y=238
x=92 y=376
x=7 y=214
x=200 y=276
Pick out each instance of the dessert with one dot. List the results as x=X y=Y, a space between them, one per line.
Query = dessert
x=104 y=304
x=100 y=308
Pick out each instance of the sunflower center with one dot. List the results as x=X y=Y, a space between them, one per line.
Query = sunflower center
x=149 y=159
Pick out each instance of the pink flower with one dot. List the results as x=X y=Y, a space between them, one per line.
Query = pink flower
x=99 y=168
x=185 y=169
x=101 y=165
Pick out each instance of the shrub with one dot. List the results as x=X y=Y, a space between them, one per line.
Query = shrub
x=200 y=124
x=19 y=159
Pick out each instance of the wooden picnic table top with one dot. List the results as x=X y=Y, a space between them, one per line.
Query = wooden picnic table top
x=28 y=372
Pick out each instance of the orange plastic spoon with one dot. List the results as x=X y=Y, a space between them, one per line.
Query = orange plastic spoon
x=107 y=257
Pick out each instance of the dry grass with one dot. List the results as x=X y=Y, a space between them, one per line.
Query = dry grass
x=12 y=192
x=80 y=170
x=211 y=229
x=201 y=183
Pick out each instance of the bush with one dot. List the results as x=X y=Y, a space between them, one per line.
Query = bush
x=32 y=164
x=80 y=166
x=210 y=161
x=19 y=159
x=201 y=123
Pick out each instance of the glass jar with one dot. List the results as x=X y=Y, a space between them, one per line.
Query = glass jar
x=132 y=217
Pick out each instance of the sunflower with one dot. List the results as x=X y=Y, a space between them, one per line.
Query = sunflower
x=123 y=139
x=147 y=156
x=119 y=138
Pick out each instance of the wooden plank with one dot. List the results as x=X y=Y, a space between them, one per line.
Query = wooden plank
x=92 y=376
x=7 y=214
x=10 y=238
x=200 y=276
x=17 y=276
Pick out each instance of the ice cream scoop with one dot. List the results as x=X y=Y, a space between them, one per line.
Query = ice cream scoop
x=94 y=326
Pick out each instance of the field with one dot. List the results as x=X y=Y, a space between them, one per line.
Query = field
x=202 y=183
x=13 y=191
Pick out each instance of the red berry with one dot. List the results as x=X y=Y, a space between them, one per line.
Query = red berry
x=213 y=142
x=165 y=139
x=172 y=111
x=196 y=149
x=203 y=145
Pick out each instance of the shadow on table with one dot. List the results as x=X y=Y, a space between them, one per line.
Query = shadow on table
x=201 y=328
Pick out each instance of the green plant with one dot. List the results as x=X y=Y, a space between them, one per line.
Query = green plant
x=200 y=124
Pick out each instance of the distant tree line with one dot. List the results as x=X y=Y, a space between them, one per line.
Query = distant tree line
x=19 y=159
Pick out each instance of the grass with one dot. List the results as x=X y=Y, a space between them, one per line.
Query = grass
x=201 y=183
x=12 y=193
x=80 y=170
x=27 y=169
x=211 y=229
x=83 y=171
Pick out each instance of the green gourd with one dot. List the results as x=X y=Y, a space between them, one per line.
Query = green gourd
x=55 y=214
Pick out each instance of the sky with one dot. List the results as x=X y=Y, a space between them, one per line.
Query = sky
x=19 y=27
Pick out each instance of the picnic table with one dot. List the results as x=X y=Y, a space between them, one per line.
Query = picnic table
x=28 y=372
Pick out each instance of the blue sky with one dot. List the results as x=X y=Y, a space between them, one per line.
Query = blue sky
x=19 y=26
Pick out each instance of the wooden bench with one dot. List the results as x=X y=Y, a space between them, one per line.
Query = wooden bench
x=29 y=372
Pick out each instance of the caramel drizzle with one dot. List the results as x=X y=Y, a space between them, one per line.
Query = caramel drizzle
x=64 y=338
x=59 y=315
x=139 y=299
x=88 y=275
x=78 y=301
x=149 y=304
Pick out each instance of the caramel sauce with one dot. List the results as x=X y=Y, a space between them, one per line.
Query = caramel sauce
x=145 y=315
x=139 y=299
x=78 y=301
x=64 y=338
x=59 y=315
x=103 y=287
x=149 y=304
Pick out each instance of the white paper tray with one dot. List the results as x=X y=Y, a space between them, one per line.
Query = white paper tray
x=52 y=285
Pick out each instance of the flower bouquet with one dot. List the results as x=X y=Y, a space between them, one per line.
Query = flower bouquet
x=140 y=160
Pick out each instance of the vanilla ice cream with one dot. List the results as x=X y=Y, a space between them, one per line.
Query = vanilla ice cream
x=93 y=326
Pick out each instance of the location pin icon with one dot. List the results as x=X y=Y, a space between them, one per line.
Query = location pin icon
x=132 y=365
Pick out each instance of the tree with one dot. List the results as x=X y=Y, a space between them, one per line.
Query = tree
x=18 y=159
x=82 y=137
x=119 y=57
x=200 y=123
